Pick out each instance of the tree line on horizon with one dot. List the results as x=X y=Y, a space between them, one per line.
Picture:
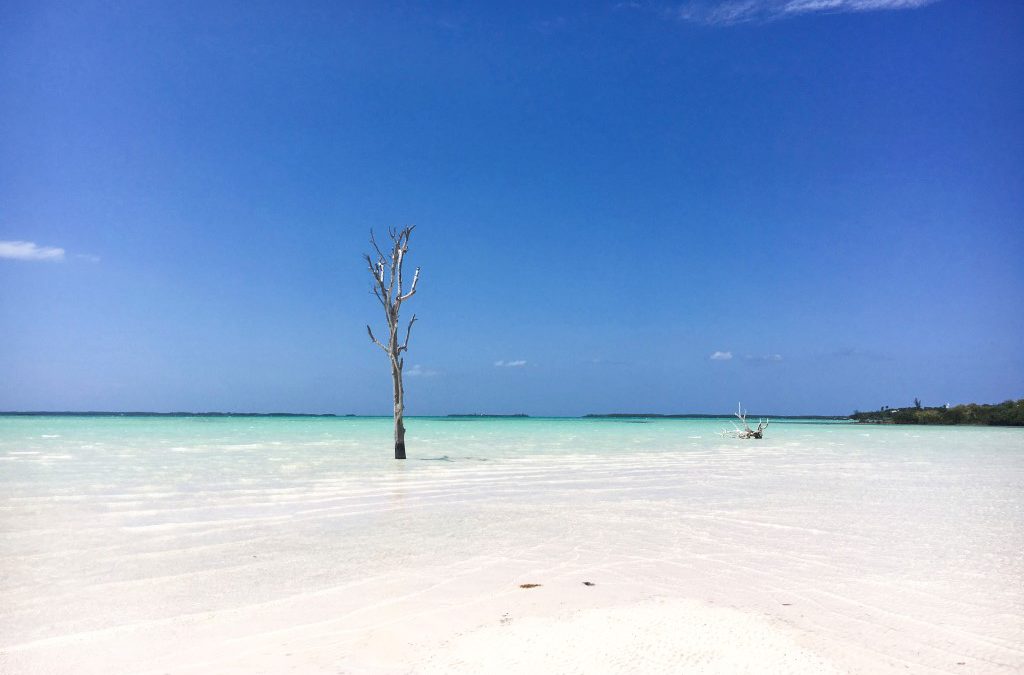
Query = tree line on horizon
x=1009 y=413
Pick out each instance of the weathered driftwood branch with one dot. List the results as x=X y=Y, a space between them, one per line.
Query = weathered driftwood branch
x=408 y=332
x=388 y=288
x=746 y=431
x=412 y=289
x=375 y=340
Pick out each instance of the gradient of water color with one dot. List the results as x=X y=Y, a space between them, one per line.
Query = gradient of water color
x=125 y=539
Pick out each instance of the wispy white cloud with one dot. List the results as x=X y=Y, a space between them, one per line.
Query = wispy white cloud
x=851 y=353
x=764 y=358
x=721 y=356
x=601 y=361
x=419 y=371
x=88 y=257
x=510 y=364
x=798 y=6
x=27 y=250
x=729 y=12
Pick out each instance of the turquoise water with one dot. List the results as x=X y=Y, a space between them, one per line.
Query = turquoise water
x=105 y=449
x=93 y=454
x=125 y=541
x=61 y=451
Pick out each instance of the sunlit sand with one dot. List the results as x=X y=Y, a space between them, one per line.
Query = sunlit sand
x=242 y=545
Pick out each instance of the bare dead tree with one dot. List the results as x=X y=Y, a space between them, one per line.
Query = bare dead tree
x=386 y=271
x=746 y=431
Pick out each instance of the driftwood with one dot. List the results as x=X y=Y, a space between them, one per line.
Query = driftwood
x=746 y=431
x=386 y=271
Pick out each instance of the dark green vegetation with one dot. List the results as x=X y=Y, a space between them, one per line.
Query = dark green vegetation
x=1007 y=413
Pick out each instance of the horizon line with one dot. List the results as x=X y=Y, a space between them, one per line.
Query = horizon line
x=214 y=413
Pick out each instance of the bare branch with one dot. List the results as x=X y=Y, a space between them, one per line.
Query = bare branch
x=412 y=289
x=746 y=431
x=742 y=414
x=373 y=241
x=375 y=340
x=378 y=289
x=408 y=331
x=402 y=247
x=376 y=270
x=400 y=253
x=393 y=265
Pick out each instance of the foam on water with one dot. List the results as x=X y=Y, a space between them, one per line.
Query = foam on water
x=126 y=540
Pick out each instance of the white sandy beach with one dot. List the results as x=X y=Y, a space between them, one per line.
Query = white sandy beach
x=235 y=548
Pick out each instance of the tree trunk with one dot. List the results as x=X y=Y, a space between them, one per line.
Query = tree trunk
x=396 y=377
x=388 y=290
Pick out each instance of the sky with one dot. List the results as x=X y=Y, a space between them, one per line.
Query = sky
x=809 y=206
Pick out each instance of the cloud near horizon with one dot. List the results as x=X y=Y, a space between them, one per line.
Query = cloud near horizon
x=419 y=371
x=855 y=353
x=729 y=12
x=766 y=358
x=28 y=250
x=510 y=364
x=721 y=356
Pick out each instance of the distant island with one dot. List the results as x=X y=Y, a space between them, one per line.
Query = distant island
x=1008 y=413
x=486 y=415
x=97 y=413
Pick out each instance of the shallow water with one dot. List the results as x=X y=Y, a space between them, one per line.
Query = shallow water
x=124 y=539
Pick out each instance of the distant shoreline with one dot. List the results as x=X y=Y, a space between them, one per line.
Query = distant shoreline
x=869 y=419
x=1009 y=413
x=704 y=416
x=909 y=417
x=484 y=415
x=696 y=416
x=97 y=413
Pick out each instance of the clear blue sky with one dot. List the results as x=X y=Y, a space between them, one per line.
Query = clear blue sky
x=610 y=192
